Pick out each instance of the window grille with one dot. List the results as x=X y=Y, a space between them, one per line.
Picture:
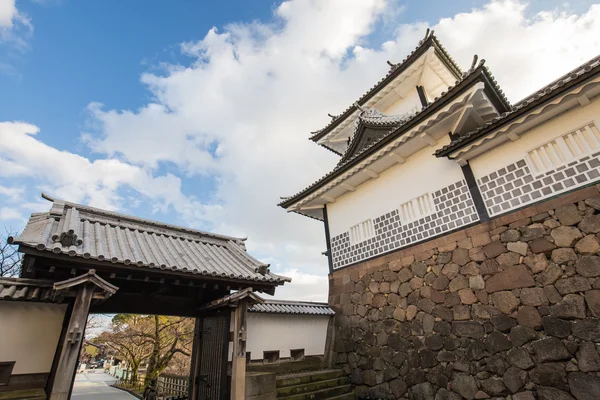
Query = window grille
x=361 y=232
x=572 y=146
x=416 y=208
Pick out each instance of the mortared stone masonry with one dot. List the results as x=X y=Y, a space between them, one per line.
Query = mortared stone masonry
x=507 y=309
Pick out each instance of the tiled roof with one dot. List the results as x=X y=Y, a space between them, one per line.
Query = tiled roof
x=26 y=290
x=84 y=232
x=429 y=40
x=292 y=307
x=402 y=128
x=371 y=118
x=563 y=83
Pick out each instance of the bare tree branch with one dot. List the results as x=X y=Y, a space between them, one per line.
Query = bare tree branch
x=10 y=258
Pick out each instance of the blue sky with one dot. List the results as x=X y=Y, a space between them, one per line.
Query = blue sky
x=140 y=106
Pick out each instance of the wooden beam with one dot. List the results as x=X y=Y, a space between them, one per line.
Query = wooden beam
x=513 y=136
x=583 y=100
x=348 y=187
x=371 y=173
x=65 y=370
x=430 y=141
x=328 y=199
x=238 y=363
x=397 y=157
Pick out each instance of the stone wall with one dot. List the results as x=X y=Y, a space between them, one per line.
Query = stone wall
x=505 y=309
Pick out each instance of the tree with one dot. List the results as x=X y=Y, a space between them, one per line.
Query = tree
x=154 y=338
x=10 y=258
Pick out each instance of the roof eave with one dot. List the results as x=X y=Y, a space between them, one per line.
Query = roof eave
x=440 y=51
x=449 y=150
x=475 y=75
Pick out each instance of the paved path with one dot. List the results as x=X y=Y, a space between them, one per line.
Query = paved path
x=95 y=386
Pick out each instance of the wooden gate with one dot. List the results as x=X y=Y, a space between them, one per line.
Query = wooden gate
x=209 y=358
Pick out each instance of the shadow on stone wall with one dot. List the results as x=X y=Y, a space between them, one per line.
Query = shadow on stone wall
x=505 y=308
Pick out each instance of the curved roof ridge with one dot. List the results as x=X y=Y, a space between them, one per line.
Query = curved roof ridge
x=124 y=217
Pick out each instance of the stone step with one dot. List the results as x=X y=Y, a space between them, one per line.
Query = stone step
x=312 y=386
x=307 y=377
x=345 y=396
x=323 y=394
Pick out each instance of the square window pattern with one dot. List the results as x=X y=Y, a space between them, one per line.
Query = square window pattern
x=532 y=187
x=450 y=207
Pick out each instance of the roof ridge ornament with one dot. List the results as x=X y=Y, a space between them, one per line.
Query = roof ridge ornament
x=68 y=228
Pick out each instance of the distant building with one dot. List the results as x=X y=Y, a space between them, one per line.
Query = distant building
x=280 y=330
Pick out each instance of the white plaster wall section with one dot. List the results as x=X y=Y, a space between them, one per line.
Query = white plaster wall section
x=272 y=332
x=454 y=208
x=510 y=152
x=409 y=104
x=29 y=334
x=421 y=173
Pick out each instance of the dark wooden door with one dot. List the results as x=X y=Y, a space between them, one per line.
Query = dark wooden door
x=209 y=361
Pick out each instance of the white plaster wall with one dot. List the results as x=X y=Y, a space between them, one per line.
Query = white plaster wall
x=405 y=105
x=29 y=334
x=271 y=332
x=421 y=173
x=509 y=152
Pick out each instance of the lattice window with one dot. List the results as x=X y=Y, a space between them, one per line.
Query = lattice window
x=361 y=232
x=416 y=208
x=574 y=145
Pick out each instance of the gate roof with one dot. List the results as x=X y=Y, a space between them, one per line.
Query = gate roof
x=81 y=231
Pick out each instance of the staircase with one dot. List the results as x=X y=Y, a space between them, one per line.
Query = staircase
x=315 y=385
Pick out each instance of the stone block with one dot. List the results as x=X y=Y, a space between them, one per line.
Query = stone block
x=572 y=306
x=592 y=298
x=496 y=342
x=511 y=278
x=520 y=335
x=518 y=247
x=458 y=283
x=541 y=246
x=530 y=317
x=465 y=385
x=511 y=235
x=481 y=239
x=532 y=232
x=589 y=245
x=533 y=297
x=556 y=327
x=550 y=349
x=590 y=224
x=588 y=359
x=509 y=259
x=588 y=329
x=502 y=322
x=563 y=255
x=552 y=294
x=520 y=358
x=467 y=296
x=584 y=386
x=476 y=282
x=514 y=379
x=469 y=329
x=550 y=393
x=494 y=249
x=566 y=236
x=588 y=266
x=568 y=215
x=461 y=313
x=573 y=284
x=477 y=254
x=549 y=275
x=505 y=301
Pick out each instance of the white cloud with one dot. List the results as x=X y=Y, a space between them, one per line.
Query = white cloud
x=8 y=11
x=13 y=193
x=10 y=214
x=77 y=178
x=242 y=110
x=15 y=27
